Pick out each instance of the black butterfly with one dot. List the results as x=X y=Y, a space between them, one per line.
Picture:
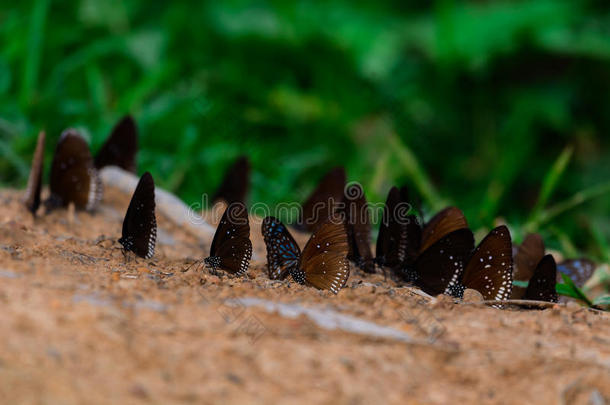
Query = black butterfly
x=579 y=270
x=449 y=266
x=234 y=186
x=527 y=257
x=322 y=264
x=541 y=286
x=140 y=225
x=231 y=248
x=399 y=233
x=446 y=221
x=322 y=202
x=32 y=194
x=121 y=147
x=73 y=177
x=358 y=227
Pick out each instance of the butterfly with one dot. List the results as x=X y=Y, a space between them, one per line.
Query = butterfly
x=450 y=265
x=399 y=233
x=323 y=262
x=527 y=257
x=234 y=186
x=231 y=248
x=323 y=200
x=140 y=225
x=358 y=227
x=579 y=270
x=541 y=286
x=446 y=221
x=32 y=194
x=121 y=147
x=73 y=177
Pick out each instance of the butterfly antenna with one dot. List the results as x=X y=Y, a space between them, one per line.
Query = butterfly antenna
x=191 y=265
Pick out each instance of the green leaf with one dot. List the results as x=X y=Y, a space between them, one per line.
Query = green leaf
x=522 y=284
x=602 y=301
x=569 y=289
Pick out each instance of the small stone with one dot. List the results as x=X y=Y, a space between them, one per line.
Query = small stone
x=473 y=296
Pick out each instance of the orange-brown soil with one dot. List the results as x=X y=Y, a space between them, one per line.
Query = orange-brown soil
x=82 y=323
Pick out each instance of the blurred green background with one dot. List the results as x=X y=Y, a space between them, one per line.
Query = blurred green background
x=498 y=107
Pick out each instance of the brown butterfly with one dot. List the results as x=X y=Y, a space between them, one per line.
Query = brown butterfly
x=234 y=186
x=322 y=202
x=528 y=255
x=231 y=248
x=541 y=286
x=73 y=177
x=140 y=224
x=399 y=233
x=32 y=194
x=450 y=266
x=322 y=264
x=448 y=220
x=358 y=227
x=121 y=147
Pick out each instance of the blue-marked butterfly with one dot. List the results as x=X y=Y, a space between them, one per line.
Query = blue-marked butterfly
x=140 y=224
x=121 y=147
x=579 y=270
x=322 y=264
x=231 y=248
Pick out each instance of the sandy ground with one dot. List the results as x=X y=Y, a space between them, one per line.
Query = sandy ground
x=83 y=324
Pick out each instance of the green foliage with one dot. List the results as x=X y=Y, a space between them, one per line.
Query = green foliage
x=498 y=107
x=569 y=289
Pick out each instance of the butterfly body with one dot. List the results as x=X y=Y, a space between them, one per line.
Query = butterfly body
x=139 y=234
x=323 y=262
x=231 y=248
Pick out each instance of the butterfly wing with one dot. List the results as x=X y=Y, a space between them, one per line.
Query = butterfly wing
x=443 y=263
x=399 y=233
x=358 y=227
x=541 y=286
x=283 y=252
x=121 y=147
x=579 y=270
x=323 y=200
x=73 y=177
x=32 y=194
x=448 y=220
x=234 y=186
x=490 y=268
x=140 y=223
x=324 y=262
x=529 y=254
x=231 y=243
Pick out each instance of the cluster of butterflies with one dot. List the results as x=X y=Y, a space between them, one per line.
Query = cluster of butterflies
x=438 y=256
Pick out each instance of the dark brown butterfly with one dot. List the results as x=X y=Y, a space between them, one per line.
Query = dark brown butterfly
x=449 y=266
x=231 y=248
x=399 y=233
x=322 y=264
x=448 y=220
x=358 y=227
x=73 y=177
x=490 y=268
x=121 y=147
x=528 y=255
x=234 y=186
x=541 y=286
x=32 y=193
x=579 y=270
x=322 y=202
x=140 y=224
